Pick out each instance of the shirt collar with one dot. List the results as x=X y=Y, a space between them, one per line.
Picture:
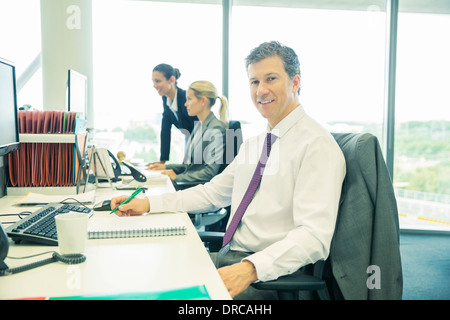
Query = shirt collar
x=290 y=120
x=173 y=103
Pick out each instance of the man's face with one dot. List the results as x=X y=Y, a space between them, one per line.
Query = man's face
x=272 y=92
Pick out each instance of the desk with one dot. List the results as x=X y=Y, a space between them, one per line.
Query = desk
x=114 y=266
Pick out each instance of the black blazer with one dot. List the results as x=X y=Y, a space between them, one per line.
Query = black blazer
x=185 y=123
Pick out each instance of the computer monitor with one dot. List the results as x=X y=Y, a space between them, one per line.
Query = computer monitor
x=9 y=120
x=77 y=93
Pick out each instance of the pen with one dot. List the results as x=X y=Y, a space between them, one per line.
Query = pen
x=128 y=199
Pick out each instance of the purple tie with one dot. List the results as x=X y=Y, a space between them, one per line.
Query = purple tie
x=248 y=196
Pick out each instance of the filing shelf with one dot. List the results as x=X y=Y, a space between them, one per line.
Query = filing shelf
x=79 y=140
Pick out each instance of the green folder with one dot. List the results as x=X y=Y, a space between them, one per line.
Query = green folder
x=190 y=293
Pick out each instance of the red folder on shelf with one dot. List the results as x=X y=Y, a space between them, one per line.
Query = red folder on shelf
x=41 y=163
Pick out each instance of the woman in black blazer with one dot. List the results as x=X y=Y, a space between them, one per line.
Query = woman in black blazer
x=165 y=79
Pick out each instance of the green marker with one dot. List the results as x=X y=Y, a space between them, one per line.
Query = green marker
x=128 y=199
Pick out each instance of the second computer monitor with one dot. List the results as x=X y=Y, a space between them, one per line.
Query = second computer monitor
x=77 y=93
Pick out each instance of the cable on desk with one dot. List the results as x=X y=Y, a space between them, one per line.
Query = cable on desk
x=27 y=213
x=15 y=214
x=81 y=203
x=20 y=214
x=32 y=256
x=67 y=258
x=30 y=212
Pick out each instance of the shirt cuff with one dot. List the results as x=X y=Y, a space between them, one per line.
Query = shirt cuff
x=156 y=204
x=266 y=267
x=263 y=270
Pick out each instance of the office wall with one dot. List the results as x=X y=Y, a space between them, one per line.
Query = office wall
x=66 y=28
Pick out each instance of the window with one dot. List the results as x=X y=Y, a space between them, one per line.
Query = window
x=129 y=39
x=341 y=53
x=422 y=132
x=20 y=42
x=341 y=46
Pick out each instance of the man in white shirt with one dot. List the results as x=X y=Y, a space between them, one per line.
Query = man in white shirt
x=290 y=221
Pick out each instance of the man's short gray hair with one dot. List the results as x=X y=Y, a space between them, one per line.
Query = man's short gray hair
x=272 y=48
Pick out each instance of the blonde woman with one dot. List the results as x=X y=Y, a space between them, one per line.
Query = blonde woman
x=205 y=149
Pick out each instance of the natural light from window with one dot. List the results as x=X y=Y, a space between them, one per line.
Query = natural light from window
x=342 y=58
x=342 y=66
x=130 y=39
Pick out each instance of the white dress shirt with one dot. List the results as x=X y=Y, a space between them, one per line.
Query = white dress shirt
x=291 y=219
x=173 y=104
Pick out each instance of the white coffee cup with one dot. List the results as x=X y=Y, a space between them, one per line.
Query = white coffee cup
x=72 y=232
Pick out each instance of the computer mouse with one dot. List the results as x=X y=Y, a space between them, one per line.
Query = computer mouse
x=103 y=206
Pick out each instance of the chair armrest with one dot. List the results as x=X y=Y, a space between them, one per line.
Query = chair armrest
x=211 y=236
x=214 y=239
x=293 y=282
x=288 y=286
x=180 y=185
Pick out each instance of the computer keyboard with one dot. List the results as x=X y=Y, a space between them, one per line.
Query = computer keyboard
x=40 y=226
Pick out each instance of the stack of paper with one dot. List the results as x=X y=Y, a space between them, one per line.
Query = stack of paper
x=37 y=198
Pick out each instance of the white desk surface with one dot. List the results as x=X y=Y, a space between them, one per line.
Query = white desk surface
x=113 y=266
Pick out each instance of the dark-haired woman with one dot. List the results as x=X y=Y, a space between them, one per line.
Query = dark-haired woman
x=164 y=79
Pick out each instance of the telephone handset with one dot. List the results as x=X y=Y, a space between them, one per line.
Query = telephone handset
x=4 y=247
x=126 y=169
x=114 y=169
x=115 y=165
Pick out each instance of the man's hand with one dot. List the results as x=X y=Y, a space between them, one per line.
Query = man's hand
x=132 y=208
x=238 y=277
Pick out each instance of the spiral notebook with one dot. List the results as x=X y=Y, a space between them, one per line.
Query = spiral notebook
x=153 y=225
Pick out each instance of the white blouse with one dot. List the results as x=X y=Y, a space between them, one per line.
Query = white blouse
x=173 y=104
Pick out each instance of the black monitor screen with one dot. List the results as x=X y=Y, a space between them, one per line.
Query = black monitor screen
x=9 y=130
x=77 y=93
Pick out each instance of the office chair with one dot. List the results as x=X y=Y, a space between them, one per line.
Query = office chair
x=217 y=220
x=366 y=237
